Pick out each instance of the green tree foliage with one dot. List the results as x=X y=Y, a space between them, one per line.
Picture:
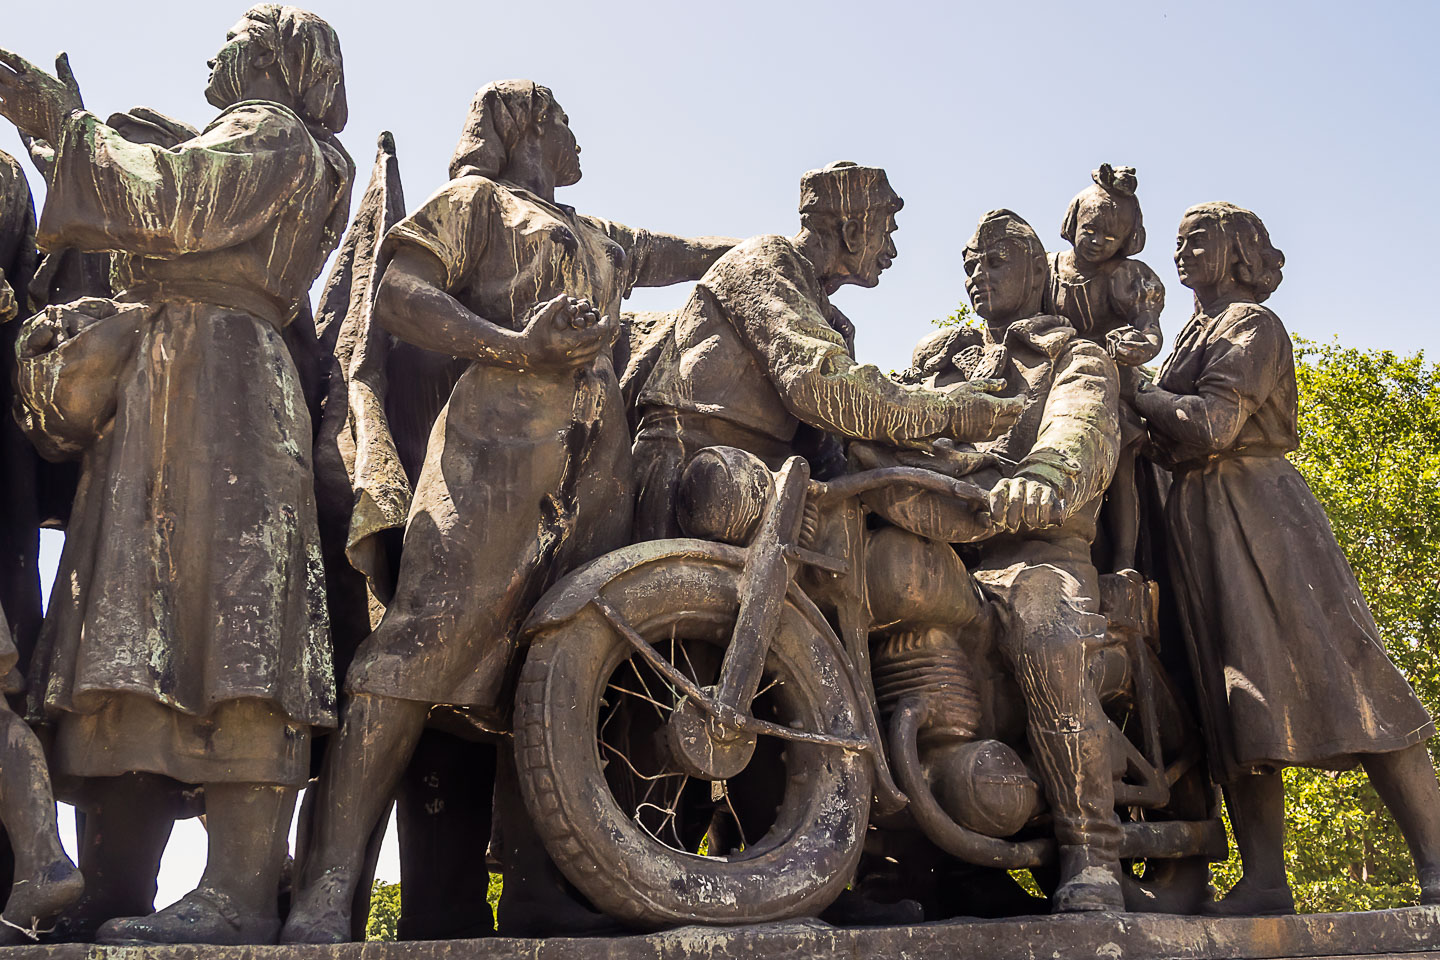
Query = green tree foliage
x=1370 y=449
x=384 y=920
x=384 y=917
x=962 y=317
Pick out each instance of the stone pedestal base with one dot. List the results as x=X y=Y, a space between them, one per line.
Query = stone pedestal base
x=1411 y=932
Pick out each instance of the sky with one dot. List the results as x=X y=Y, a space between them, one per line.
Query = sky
x=699 y=118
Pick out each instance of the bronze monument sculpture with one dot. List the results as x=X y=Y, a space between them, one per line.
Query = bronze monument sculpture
x=188 y=401
x=45 y=879
x=1115 y=300
x=760 y=359
x=684 y=617
x=492 y=269
x=1266 y=633
x=121 y=866
x=681 y=659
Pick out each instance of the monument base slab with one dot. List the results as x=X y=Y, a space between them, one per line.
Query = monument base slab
x=1407 y=932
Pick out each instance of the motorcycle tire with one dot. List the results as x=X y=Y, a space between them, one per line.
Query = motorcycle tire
x=625 y=855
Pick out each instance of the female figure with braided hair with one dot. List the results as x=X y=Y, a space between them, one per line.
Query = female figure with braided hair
x=526 y=474
x=1288 y=661
x=186 y=642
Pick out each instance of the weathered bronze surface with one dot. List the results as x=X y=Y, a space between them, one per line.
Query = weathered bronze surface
x=526 y=473
x=677 y=618
x=1115 y=300
x=1287 y=659
x=1406 y=934
x=189 y=640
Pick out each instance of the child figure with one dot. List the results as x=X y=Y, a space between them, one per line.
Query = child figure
x=46 y=880
x=1115 y=301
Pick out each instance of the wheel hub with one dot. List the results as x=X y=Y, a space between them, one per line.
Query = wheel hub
x=703 y=747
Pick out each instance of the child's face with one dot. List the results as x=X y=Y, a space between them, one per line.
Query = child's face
x=1100 y=230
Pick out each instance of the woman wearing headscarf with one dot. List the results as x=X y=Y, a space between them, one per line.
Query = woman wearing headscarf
x=186 y=639
x=527 y=470
x=1288 y=662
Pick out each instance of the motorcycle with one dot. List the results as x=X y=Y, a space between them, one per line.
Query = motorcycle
x=701 y=736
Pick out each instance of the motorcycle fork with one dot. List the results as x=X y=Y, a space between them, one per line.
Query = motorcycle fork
x=711 y=734
x=769 y=569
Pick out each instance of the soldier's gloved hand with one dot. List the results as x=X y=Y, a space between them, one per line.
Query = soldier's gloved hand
x=1018 y=503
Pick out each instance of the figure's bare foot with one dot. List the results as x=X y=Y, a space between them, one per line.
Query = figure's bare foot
x=321 y=912
x=203 y=915
x=36 y=901
x=1247 y=899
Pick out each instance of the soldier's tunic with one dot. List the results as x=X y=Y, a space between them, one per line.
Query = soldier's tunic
x=1068 y=438
x=757 y=352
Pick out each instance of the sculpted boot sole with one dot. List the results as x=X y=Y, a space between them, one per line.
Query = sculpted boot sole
x=1089 y=895
x=201 y=916
x=34 y=903
x=322 y=914
x=1430 y=887
x=1249 y=901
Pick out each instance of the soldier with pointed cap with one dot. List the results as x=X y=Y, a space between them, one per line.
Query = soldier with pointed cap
x=760 y=359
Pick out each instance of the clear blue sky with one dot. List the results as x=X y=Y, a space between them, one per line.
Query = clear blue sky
x=700 y=118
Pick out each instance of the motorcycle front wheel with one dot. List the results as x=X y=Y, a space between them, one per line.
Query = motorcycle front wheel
x=647 y=843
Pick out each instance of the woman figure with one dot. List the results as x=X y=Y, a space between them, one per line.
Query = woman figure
x=1287 y=657
x=527 y=470
x=186 y=641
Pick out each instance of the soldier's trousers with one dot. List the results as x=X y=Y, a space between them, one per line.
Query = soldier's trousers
x=1053 y=592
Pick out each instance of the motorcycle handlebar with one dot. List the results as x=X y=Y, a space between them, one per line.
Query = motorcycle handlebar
x=854 y=484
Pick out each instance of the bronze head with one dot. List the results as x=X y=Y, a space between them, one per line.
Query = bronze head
x=857 y=203
x=1005 y=268
x=296 y=50
x=1218 y=242
x=505 y=115
x=1104 y=221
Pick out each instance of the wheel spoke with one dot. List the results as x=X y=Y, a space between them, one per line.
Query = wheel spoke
x=626 y=760
x=670 y=814
x=693 y=821
x=641 y=696
x=642 y=825
x=694 y=674
x=674 y=694
x=646 y=687
x=674 y=813
x=614 y=711
x=778 y=681
x=739 y=827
